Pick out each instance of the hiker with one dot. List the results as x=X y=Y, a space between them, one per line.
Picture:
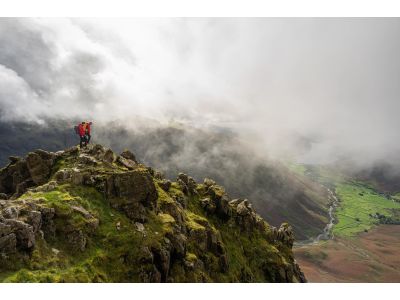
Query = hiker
x=87 y=132
x=82 y=134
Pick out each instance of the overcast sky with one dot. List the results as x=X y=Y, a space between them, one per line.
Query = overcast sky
x=335 y=82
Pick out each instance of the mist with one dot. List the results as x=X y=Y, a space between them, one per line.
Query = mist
x=313 y=90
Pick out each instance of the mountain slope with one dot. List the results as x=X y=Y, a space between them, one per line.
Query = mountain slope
x=91 y=216
x=277 y=193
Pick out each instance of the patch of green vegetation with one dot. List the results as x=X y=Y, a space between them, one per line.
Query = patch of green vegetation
x=358 y=205
x=112 y=254
x=194 y=221
x=163 y=197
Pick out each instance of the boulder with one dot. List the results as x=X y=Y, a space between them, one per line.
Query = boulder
x=35 y=220
x=130 y=191
x=178 y=243
x=285 y=235
x=13 y=175
x=242 y=209
x=208 y=182
x=63 y=175
x=8 y=243
x=128 y=155
x=162 y=260
x=127 y=163
x=183 y=177
x=165 y=184
x=109 y=156
x=39 y=164
x=10 y=212
x=24 y=233
x=4 y=229
x=208 y=205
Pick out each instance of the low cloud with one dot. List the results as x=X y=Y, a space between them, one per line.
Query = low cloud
x=316 y=90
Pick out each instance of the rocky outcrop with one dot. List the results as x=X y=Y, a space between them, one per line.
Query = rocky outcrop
x=123 y=221
x=22 y=174
x=131 y=192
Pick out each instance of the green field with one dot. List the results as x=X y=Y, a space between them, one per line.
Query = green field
x=358 y=203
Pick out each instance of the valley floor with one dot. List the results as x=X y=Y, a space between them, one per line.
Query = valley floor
x=372 y=256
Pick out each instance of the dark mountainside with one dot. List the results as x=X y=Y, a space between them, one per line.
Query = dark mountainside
x=277 y=193
x=92 y=216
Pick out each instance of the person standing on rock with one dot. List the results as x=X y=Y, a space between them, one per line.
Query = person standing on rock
x=82 y=135
x=87 y=132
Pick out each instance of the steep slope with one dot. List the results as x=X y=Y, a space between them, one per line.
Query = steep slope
x=278 y=193
x=91 y=216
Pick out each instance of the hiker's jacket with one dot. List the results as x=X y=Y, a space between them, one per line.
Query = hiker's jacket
x=81 y=129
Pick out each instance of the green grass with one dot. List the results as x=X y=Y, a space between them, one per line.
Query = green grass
x=357 y=203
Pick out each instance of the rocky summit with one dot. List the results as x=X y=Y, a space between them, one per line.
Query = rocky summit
x=93 y=216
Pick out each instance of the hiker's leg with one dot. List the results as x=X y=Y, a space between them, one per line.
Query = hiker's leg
x=88 y=138
x=81 y=141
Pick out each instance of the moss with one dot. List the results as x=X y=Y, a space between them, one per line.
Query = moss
x=193 y=219
x=163 y=197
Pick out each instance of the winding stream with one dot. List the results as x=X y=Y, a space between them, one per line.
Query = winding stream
x=327 y=232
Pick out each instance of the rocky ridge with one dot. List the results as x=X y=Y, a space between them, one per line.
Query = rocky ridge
x=93 y=216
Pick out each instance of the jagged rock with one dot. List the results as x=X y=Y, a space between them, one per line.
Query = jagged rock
x=179 y=244
x=13 y=176
x=47 y=226
x=128 y=155
x=14 y=159
x=87 y=160
x=208 y=205
x=220 y=200
x=139 y=227
x=183 y=177
x=183 y=186
x=285 y=235
x=72 y=151
x=109 y=156
x=24 y=233
x=35 y=219
x=208 y=182
x=199 y=236
x=97 y=150
x=3 y=196
x=162 y=260
x=127 y=163
x=10 y=212
x=8 y=243
x=48 y=187
x=39 y=164
x=5 y=229
x=242 y=209
x=118 y=225
x=63 y=175
x=192 y=186
x=130 y=191
x=165 y=185
x=83 y=211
